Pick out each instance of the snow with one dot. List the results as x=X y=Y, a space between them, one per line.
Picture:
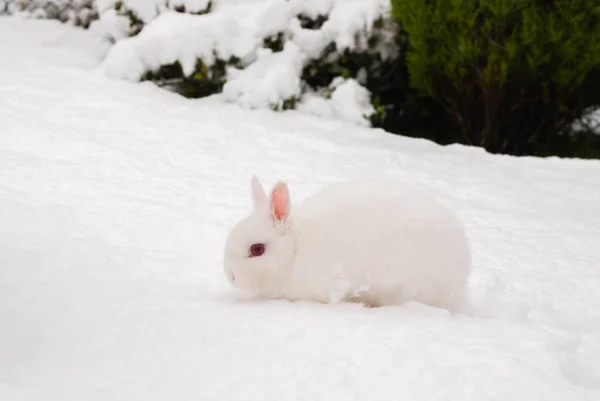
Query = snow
x=272 y=79
x=146 y=10
x=351 y=101
x=352 y=16
x=347 y=101
x=312 y=8
x=590 y=121
x=179 y=37
x=115 y=201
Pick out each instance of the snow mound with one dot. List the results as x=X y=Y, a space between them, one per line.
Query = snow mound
x=117 y=24
x=351 y=21
x=312 y=8
x=271 y=80
x=177 y=37
x=348 y=100
x=116 y=14
x=351 y=101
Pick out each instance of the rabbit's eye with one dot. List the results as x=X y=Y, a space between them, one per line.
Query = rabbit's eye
x=257 y=250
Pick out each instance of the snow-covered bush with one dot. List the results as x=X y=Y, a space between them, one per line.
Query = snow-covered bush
x=372 y=59
x=76 y=12
x=279 y=54
x=183 y=51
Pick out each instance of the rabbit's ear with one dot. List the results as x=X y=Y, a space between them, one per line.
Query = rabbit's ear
x=259 y=197
x=280 y=201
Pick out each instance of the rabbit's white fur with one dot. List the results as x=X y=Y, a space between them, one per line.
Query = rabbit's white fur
x=380 y=243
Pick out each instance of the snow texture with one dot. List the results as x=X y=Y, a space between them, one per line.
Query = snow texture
x=187 y=38
x=348 y=25
x=347 y=101
x=272 y=79
x=145 y=10
x=115 y=201
x=118 y=23
x=351 y=101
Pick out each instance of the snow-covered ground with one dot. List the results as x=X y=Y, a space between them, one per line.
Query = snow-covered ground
x=115 y=201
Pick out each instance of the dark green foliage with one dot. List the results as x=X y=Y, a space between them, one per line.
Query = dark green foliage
x=584 y=144
x=274 y=42
x=204 y=81
x=181 y=9
x=309 y=23
x=513 y=75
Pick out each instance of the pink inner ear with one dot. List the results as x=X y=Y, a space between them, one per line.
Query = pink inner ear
x=280 y=200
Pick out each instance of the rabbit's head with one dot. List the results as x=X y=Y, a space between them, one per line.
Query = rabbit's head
x=260 y=249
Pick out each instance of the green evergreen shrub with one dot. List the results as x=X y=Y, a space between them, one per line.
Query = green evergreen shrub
x=513 y=75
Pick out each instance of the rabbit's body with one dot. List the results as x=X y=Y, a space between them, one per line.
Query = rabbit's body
x=373 y=242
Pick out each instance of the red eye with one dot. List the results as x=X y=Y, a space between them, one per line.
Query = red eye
x=257 y=250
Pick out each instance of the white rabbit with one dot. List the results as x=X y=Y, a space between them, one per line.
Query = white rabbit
x=378 y=243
